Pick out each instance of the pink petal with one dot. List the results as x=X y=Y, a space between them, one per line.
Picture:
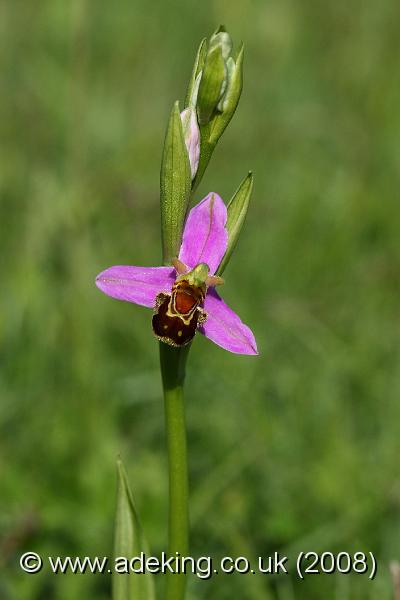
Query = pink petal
x=205 y=238
x=225 y=328
x=136 y=284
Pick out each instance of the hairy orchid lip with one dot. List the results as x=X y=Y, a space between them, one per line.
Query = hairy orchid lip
x=203 y=247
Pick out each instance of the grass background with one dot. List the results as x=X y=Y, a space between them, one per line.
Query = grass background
x=297 y=449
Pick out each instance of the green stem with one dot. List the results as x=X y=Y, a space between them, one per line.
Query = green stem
x=173 y=362
x=206 y=150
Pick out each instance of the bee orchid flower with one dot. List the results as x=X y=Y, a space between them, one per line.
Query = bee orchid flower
x=183 y=296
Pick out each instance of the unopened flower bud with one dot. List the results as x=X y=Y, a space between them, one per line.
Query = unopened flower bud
x=211 y=85
x=220 y=84
x=228 y=102
x=192 y=137
x=223 y=40
x=213 y=92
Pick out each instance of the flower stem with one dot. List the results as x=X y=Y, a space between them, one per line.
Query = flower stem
x=173 y=362
x=206 y=150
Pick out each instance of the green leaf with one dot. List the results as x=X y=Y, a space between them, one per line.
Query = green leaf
x=129 y=541
x=237 y=210
x=175 y=186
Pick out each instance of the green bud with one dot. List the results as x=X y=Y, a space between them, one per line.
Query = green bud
x=237 y=210
x=211 y=84
x=175 y=186
x=222 y=39
x=228 y=103
x=219 y=77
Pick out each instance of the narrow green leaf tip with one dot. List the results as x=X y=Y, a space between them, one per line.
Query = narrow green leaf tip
x=129 y=541
x=237 y=210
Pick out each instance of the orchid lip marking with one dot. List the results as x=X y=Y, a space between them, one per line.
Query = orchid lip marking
x=178 y=315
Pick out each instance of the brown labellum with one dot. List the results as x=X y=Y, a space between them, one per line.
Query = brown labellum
x=177 y=315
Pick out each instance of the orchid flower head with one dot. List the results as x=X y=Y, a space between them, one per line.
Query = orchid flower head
x=182 y=296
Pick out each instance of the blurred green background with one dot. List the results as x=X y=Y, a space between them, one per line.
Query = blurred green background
x=298 y=449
